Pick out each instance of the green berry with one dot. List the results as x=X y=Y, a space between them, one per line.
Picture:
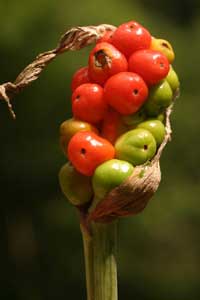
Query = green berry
x=136 y=146
x=172 y=79
x=160 y=97
x=157 y=129
x=109 y=175
x=75 y=186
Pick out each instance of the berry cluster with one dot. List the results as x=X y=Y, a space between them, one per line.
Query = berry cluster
x=118 y=105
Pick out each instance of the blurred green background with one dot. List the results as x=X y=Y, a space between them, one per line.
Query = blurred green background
x=41 y=249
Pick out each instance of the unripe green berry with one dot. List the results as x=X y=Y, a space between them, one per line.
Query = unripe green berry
x=172 y=79
x=75 y=186
x=160 y=97
x=157 y=129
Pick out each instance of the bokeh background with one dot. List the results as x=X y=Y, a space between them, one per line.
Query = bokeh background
x=41 y=249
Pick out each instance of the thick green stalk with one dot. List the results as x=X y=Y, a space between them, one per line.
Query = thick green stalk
x=100 y=261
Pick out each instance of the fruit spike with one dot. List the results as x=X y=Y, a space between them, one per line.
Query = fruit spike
x=127 y=80
x=125 y=175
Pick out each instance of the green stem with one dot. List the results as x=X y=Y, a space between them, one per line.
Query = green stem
x=100 y=261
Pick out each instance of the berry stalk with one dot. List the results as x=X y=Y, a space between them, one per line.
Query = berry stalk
x=100 y=261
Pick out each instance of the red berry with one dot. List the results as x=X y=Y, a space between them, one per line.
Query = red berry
x=80 y=77
x=86 y=151
x=107 y=37
x=151 y=65
x=130 y=37
x=126 y=92
x=88 y=103
x=104 y=61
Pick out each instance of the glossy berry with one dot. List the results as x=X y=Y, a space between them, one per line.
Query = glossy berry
x=86 y=151
x=130 y=37
x=107 y=37
x=136 y=146
x=172 y=79
x=156 y=128
x=164 y=47
x=151 y=65
x=88 y=103
x=75 y=186
x=104 y=61
x=160 y=97
x=80 y=77
x=125 y=92
x=109 y=175
x=70 y=127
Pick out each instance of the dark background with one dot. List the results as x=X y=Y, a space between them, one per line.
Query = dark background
x=41 y=249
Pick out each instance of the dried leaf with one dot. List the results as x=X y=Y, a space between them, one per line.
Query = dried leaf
x=73 y=39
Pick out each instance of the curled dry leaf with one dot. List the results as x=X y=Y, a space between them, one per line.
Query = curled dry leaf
x=74 y=39
x=131 y=197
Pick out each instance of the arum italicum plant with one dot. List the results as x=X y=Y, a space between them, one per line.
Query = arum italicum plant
x=117 y=196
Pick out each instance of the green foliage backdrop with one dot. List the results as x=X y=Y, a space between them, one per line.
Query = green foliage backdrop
x=41 y=249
